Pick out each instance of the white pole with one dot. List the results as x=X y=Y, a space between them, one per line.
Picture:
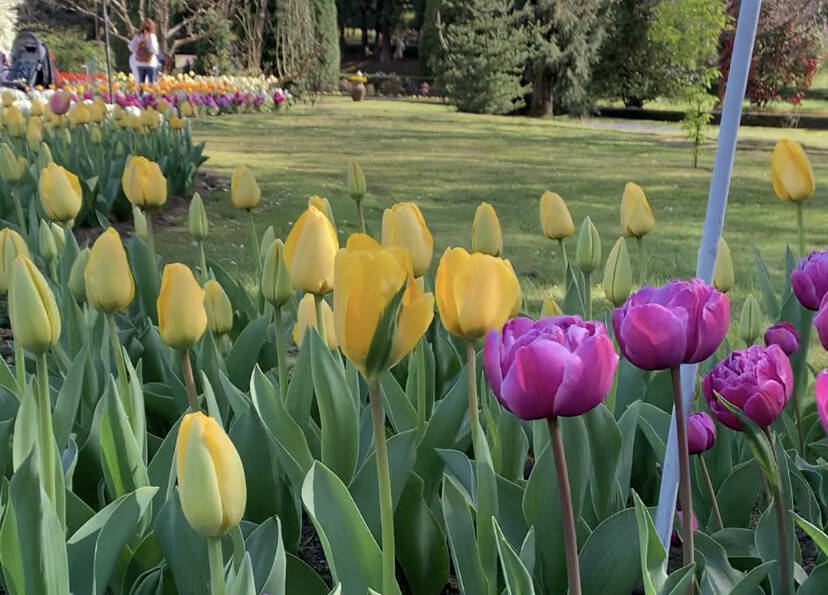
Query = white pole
x=712 y=231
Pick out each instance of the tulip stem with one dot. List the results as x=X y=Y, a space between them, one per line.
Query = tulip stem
x=254 y=247
x=422 y=401
x=588 y=295
x=568 y=517
x=20 y=368
x=46 y=443
x=684 y=471
x=562 y=246
x=203 y=261
x=216 y=565
x=120 y=366
x=150 y=237
x=642 y=261
x=320 y=318
x=716 y=513
x=800 y=221
x=785 y=565
x=280 y=352
x=18 y=207
x=189 y=382
x=384 y=482
x=361 y=216
x=471 y=375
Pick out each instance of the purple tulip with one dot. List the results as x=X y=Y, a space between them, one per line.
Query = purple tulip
x=822 y=398
x=701 y=432
x=783 y=334
x=757 y=380
x=810 y=279
x=679 y=323
x=555 y=366
x=821 y=321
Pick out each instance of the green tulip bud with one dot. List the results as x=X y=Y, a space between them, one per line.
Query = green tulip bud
x=119 y=149
x=267 y=239
x=750 y=321
x=139 y=223
x=34 y=315
x=59 y=235
x=197 y=218
x=356 y=181
x=44 y=157
x=46 y=241
x=618 y=273
x=588 y=253
x=276 y=285
x=77 y=281
x=723 y=275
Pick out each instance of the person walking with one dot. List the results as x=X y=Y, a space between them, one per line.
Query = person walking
x=144 y=47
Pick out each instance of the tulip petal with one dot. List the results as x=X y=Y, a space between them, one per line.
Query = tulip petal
x=412 y=324
x=531 y=383
x=588 y=377
x=229 y=470
x=654 y=337
x=492 y=353
x=821 y=391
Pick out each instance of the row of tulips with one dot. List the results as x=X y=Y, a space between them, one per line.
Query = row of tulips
x=163 y=438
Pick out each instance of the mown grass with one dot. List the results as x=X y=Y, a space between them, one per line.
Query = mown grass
x=449 y=162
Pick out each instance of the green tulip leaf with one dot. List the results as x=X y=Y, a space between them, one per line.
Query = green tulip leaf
x=401 y=413
x=652 y=554
x=457 y=516
x=185 y=551
x=301 y=578
x=517 y=577
x=267 y=556
x=68 y=400
x=245 y=352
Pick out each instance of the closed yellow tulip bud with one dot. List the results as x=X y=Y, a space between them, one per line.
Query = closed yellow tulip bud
x=636 y=215
x=133 y=121
x=791 y=173
x=306 y=317
x=119 y=149
x=310 y=250
x=276 y=284
x=321 y=203
x=12 y=167
x=550 y=308
x=403 y=226
x=15 y=122
x=723 y=277
x=144 y=184
x=77 y=280
x=618 y=274
x=182 y=318
x=197 y=218
x=46 y=241
x=34 y=134
x=555 y=218
x=588 y=252
x=60 y=193
x=244 y=191
x=486 y=235
x=80 y=114
x=34 y=315
x=163 y=106
x=218 y=307
x=475 y=292
x=8 y=98
x=186 y=109
x=12 y=245
x=356 y=181
x=750 y=321
x=109 y=283
x=177 y=123
x=44 y=156
x=211 y=482
x=150 y=118
x=37 y=107
x=369 y=277
x=95 y=136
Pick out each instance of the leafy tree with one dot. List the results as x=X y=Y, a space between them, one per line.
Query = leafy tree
x=325 y=70
x=689 y=31
x=566 y=40
x=483 y=54
x=631 y=66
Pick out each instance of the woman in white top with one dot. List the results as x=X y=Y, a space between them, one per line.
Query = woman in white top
x=144 y=47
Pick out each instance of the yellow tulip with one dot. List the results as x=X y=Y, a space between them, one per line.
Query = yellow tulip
x=636 y=216
x=486 y=235
x=791 y=173
x=37 y=107
x=310 y=250
x=276 y=284
x=15 y=122
x=81 y=114
x=368 y=277
x=134 y=122
x=218 y=307
x=723 y=276
x=244 y=191
x=177 y=123
x=77 y=282
x=182 y=318
x=34 y=315
x=109 y=283
x=403 y=226
x=12 y=167
x=163 y=106
x=34 y=134
x=475 y=292
x=186 y=109
x=12 y=245
x=150 y=118
x=144 y=184
x=555 y=218
x=211 y=482
x=550 y=308
x=306 y=317
x=8 y=98
x=60 y=193
x=321 y=203
x=356 y=181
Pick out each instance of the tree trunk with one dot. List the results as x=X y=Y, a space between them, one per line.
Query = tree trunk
x=366 y=6
x=542 y=104
x=385 y=32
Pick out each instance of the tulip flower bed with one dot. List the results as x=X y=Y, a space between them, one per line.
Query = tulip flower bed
x=161 y=435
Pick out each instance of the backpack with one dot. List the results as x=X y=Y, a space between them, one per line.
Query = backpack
x=142 y=52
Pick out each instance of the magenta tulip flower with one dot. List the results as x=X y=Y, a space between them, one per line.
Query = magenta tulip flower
x=821 y=321
x=783 y=334
x=680 y=323
x=810 y=279
x=558 y=366
x=822 y=398
x=757 y=380
x=701 y=432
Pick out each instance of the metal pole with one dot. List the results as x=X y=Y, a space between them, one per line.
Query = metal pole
x=712 y=231
x=108 y=50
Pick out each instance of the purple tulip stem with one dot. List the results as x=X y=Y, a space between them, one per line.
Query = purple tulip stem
x=800 y=221
x=568 y=517
x=716 y=513
x=785 y=566
x=685 y=495
x=389 y=582
x=189 y=382
x=471 y=375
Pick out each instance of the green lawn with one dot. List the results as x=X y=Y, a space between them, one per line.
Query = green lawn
x=448 y=162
